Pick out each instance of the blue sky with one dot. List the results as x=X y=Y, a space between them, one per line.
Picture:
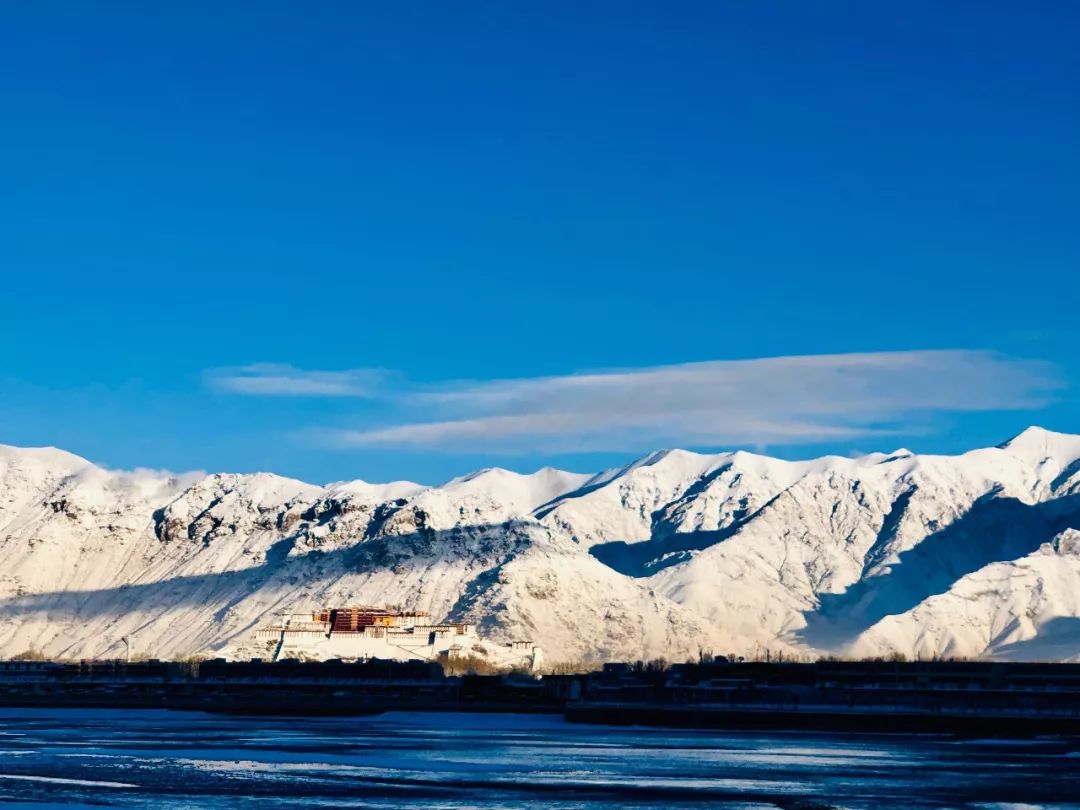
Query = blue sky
x=400 y=240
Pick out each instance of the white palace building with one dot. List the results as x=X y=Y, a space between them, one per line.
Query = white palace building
x=370 y=632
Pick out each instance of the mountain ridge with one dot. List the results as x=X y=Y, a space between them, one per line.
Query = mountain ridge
x=674 y=554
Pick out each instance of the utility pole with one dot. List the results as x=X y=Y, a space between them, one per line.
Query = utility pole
x=129 y=642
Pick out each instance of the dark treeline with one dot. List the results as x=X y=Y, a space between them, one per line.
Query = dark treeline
x=950 y=696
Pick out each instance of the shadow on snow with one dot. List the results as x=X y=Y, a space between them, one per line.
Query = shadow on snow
x=995 y=529
x=488 y=546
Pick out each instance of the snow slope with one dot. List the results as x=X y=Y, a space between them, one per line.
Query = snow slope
x=675 y=554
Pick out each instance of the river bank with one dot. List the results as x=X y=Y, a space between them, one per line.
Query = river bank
x=968 y=698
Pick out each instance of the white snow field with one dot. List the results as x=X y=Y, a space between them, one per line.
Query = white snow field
x=674 y=555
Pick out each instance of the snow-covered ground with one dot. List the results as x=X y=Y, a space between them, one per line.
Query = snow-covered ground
x=676 y=554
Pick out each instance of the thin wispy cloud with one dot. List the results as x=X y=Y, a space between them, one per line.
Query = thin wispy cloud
x=758 y=402
x=269 y=379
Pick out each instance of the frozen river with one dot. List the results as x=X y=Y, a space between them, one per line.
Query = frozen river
x=175 y=759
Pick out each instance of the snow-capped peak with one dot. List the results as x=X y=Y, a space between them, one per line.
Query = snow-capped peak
x=1037 y=444
x=523 y=491
x=50 y=458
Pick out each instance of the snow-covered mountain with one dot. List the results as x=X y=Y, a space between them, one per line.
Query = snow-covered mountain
x=675 y=554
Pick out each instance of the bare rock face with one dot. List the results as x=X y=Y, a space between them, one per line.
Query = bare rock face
x=673 y=555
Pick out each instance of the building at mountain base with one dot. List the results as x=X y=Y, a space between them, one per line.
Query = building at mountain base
x=362 y=633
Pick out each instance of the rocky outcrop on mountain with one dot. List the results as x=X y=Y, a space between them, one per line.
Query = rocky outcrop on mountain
x=676 y=554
